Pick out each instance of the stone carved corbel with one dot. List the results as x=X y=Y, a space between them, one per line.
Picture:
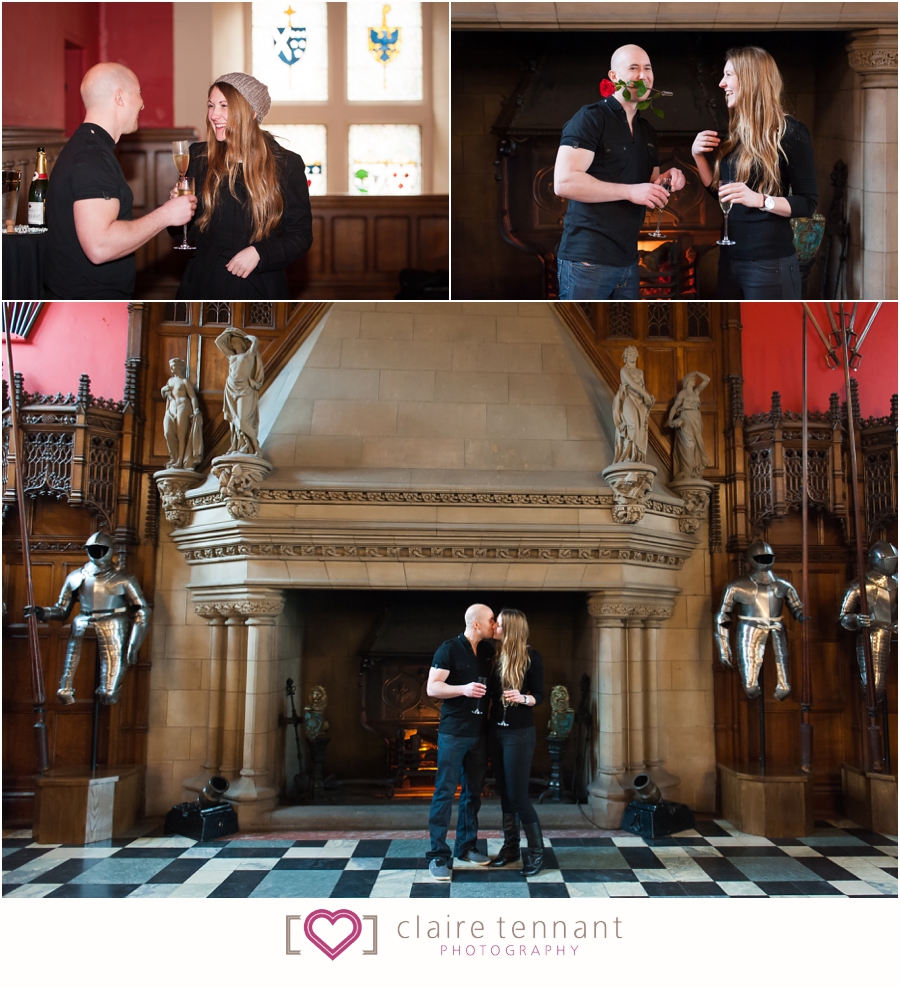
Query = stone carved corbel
x=696 y=494
x=873 y=54
x=631 y=484
x=173 y=485
x=240 y=476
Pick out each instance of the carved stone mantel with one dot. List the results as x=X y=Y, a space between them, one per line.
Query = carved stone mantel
x=873 y=54
x=173 y=484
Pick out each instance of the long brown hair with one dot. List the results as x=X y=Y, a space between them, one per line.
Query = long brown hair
x=756 y=123
x=248 y=145
x=514 y=658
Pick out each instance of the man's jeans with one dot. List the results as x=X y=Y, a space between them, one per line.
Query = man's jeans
x=581 y=281
x=460 y=760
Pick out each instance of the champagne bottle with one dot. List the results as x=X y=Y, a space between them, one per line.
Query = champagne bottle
x=37 y=194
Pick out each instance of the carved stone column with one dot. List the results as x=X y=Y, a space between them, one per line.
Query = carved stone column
x=626 y=683
x=215 y=698
x=233 y=706
x=873 y=54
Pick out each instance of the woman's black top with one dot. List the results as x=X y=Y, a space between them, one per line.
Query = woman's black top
x=231 y=229
x=517 y=715
x=761 y=235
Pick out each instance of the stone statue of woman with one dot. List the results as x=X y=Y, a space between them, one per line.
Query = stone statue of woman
x=631 y=411
x=689 y=457
x=182 y=422
x=242 y=387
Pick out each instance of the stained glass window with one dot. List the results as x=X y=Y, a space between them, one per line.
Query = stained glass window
x=385 y=159
x=307 y=140
x=290 y=50
x=384 y=51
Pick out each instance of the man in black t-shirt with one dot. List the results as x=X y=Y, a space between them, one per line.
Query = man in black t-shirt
x=458 y=676
x=607 y=167
x=91 y=236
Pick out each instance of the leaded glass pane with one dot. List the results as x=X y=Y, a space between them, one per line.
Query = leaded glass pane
x=309 y=141
x=216 y=313
x=658 y=319
x=289 y=48
x=698 y=320
x=384 y=51
x=620 y=321
x=176 y=312
x=385 y=159
x=260 y=314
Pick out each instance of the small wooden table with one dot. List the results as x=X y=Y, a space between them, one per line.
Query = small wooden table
x=78 y=806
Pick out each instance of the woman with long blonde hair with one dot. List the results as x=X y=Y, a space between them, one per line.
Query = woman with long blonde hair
x=516 y=686
x=253 y=216
x=764 y=173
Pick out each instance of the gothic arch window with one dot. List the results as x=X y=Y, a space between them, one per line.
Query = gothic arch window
x=698 y=320
x=621 y=321
x=658 y=324
x=216 y=313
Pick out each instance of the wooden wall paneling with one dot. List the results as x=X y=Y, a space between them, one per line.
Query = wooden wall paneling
x=349 y=252
x=20 y=146
x=392 y=243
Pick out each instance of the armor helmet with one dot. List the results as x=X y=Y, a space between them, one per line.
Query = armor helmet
x=99 y=547
x=883 y=558
x=760 y=556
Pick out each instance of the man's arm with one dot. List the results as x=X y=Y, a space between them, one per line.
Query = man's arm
x=103 y=237
x=437 y=686
x=571 y=181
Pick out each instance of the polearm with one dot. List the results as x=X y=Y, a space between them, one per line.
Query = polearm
x=806 y=729
x=875 y=740
x=34 y=648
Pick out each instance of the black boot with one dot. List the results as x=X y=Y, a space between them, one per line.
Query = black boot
x=533 y=858
x=509 y=852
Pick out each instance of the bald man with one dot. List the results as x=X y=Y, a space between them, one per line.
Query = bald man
x=92 y=237
x=607 y=167
x=458 y=677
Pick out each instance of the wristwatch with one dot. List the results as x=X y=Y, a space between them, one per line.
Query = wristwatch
x=768 y=203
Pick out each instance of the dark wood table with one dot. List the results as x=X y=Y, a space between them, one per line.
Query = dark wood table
x=23 y=263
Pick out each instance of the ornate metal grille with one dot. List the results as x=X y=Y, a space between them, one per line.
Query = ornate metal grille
x=621 y=321
x=818 y=485
x=698 y=320
x=216 y=313
x=260 y=314
x=658 y=320
x=47 y=463
x=177 y=312
x=760 y=483
x=102 y=472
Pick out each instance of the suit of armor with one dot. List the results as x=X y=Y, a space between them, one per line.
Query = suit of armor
x=758 y=600
x=113 y=603
x=881 y=622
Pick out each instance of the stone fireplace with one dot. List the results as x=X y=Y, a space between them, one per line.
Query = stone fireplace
x=426 y=457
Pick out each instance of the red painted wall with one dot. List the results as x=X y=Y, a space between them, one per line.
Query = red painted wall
x=773 y=358
x=74 y=338
x=138 y=35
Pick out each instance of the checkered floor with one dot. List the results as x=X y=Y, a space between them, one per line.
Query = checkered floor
x=713 y=860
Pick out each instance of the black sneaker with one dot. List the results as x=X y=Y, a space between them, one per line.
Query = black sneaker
x=474 y=857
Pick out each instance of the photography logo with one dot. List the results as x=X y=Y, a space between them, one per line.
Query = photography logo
x=331 y=932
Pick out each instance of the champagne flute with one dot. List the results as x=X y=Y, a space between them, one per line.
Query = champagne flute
x=478 y=711
x=726 y=208
x=661 y=236
x=181 y=153
x=184 y=186
x=506 y=704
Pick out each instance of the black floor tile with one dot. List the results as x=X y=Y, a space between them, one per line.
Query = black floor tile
x=890 y=871
x=663 y=889
x=778 y=887
x=93 y=891
x=7 y=888
x=703 y=889
x=19 y=857
x=372 y=848
x=310 y=842
x=706 y=827
x=568 y=841
x=826 y=870
x=641 y=857
x=148 y=853
x=436 y=890
x=11 y=842
x=664 y=841
x=595 y=841
x=786 y=841
x=585 y=876
x=845 y=851
x=548 y=891
x=66 y=871
x=311 y=863
x=866 y=835
x=233 y=851
x=404 y=863
x=178 y=871
x=720 y=869
x=751 y=851
x=238 y=884
x=355 y=884
x=690 y=841
x=817 y=888
x=480 y=876
x=115 y=841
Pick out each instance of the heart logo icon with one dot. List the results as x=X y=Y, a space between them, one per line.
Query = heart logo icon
x=332 y=952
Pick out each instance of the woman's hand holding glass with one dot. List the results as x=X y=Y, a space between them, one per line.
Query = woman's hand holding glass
x=739 y=192
x=514 y=697
x=244 y=262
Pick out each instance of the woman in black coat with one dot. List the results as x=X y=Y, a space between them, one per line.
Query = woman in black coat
x=253 y=216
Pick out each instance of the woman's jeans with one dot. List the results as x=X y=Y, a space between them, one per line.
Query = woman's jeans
x=759 y=280
x=581 y=281
x=460 y=760
x=512 y=749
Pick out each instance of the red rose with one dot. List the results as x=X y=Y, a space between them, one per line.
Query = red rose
x=607 y=88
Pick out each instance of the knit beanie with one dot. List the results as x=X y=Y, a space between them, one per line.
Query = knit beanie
x=254 y=91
